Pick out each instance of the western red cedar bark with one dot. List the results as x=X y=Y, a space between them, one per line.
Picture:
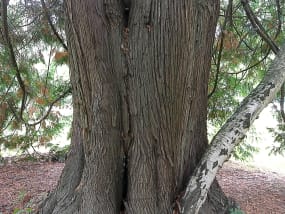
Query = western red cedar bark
x=139 y=73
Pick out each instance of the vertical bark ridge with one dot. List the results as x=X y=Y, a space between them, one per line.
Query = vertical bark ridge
x=97 y=76
x=101 y=193
x=168 y=94
x=144 y=87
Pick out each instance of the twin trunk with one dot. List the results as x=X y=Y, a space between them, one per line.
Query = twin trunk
x=139 y=75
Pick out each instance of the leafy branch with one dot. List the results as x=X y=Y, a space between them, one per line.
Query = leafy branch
x=263 y=34
x=258 y=26
x=46 y=11
x=68 y=91
x=228 y=18
x=12 y=56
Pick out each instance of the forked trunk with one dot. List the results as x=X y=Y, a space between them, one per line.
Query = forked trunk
x=139 y=74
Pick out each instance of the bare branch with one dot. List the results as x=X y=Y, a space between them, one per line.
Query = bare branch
x=48 y=70
x=218 y=67
x=230 y=13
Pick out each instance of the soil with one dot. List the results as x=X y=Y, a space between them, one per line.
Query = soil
x=24 y=184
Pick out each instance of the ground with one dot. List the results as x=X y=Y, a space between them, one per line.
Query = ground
x=24 y=184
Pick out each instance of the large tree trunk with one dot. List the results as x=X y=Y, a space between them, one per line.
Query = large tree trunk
x=139 y=74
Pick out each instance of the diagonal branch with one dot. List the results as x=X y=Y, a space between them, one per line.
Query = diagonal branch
x=252 y=66
x=231 y=134
x=12 y=55
x=262 y=33
x=258 y=26
x=52 y=26
x=68 y=91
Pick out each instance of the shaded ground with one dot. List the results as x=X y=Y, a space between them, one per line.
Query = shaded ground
x=21 y=182
x=257 y=192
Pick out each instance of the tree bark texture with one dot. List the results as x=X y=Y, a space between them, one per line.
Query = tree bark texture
x=139 y=72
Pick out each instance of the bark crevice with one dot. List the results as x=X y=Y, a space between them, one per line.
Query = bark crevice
x=126 y=12
x=139 y=75
x=127 y=128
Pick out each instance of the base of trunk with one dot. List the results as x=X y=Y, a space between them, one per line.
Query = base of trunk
x=59 y=202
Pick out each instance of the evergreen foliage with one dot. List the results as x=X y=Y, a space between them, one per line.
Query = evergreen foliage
x=33 y=89
x=34 y=83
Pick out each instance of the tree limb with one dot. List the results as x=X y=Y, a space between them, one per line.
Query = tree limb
x=52 y=26
x=258 y=26
x=282 y=94
x=228 y=18
x=252 y=66
x=262 y=33
x=279 y=18
x=12 y=55
x=231 y=134
x=68 y=91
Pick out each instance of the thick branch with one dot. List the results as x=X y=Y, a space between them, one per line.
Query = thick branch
x=233 y=131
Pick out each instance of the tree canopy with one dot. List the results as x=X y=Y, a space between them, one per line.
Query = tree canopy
x=34 y=84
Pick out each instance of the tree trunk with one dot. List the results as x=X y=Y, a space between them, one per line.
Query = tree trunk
x=139 y=72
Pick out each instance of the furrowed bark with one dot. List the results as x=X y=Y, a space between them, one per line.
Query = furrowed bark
x=170 y=46
x=139 y=72
x=94 y=38
x=232 y=132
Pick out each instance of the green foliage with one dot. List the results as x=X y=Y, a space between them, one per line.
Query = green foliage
x=58 y=153
x=244 y=151
x=279 y=136
x=31 y=116
x=21 y=198
x=23 y=211
x=236 y=211
x=240 y=59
